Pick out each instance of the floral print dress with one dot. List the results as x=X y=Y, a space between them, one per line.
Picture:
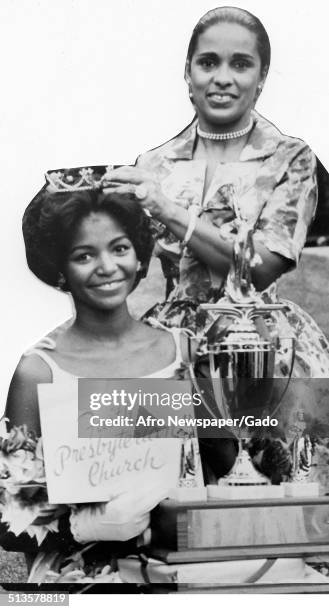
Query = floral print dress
x=275 y=185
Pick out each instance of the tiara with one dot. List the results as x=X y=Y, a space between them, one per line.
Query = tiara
x=78 y=179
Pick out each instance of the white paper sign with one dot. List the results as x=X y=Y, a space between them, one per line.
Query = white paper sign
x=93 y=470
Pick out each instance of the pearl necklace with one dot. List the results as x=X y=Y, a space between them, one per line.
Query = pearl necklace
x=227 y=135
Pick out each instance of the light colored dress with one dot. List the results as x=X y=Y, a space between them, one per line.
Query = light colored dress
x=275 y=185
x=45 y=346
x=88 y=519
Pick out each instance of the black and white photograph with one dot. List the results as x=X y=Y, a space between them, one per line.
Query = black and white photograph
x=165 y=329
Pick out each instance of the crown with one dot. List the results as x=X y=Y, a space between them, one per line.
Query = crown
x=78 y=179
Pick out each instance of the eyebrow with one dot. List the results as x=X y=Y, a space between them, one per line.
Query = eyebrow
x=90 y=246
x=207 y=54
x=237 y=55
x=243 y=56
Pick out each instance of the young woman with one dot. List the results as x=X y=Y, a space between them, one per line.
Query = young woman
x=79 y=240
x=97 y=250
x=228 y=163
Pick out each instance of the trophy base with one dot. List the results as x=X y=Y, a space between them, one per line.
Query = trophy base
x=301 y=489
x=188 y=494
x=243 y=474
x=245 y=491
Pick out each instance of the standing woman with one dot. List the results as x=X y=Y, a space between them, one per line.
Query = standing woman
x=228 y=163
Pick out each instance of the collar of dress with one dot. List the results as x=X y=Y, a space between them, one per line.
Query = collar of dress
x=263 y=141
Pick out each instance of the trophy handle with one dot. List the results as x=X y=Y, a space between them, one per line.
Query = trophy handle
x=218 y=396
x=196 y=384
x=288 y=377
x=218 y=393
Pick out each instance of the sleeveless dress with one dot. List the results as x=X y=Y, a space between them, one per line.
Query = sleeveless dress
x=43 y=349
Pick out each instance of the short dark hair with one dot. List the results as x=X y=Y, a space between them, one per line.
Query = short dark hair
x=51 y=219
x=232 y=14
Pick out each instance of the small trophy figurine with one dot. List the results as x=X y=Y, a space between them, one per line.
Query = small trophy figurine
x=190 y=485
x=300 y=484
x=188 y=465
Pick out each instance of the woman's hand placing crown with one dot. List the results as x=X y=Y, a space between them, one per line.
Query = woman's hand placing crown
x=142 y=186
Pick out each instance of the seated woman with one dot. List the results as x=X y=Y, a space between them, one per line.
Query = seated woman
x=81 y=241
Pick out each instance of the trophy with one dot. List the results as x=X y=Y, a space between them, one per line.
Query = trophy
x=242 y=345
x=302 y=450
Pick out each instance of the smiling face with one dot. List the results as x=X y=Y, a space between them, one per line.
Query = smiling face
x=101 y=264
x=224 y=75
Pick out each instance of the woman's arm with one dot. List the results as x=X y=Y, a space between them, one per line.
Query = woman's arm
x=22 y=402
x=124 y=517
x=217 y=253
x=282 y=227
x=206 y=242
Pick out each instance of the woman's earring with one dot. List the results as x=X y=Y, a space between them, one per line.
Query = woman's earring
x=189 y=83
x=139 y=267
x=61 y=283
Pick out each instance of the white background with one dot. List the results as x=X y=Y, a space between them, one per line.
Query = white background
x=100 y=81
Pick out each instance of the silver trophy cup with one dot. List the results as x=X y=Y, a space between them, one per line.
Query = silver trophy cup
x=242 y=345
x=243 y=389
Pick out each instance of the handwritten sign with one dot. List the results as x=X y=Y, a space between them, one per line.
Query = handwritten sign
x=93 y=470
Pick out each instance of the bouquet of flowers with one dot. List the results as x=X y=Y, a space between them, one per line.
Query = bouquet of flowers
x=24 y=506
x=23 y=491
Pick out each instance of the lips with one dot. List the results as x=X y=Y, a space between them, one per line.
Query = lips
x=220 y=98
x=108 y=285
x=221 y=94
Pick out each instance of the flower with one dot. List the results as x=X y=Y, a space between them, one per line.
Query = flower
x=18 y=438
x=24 y=500
x=19 y=518
x=23 y=467
x=41 y=531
